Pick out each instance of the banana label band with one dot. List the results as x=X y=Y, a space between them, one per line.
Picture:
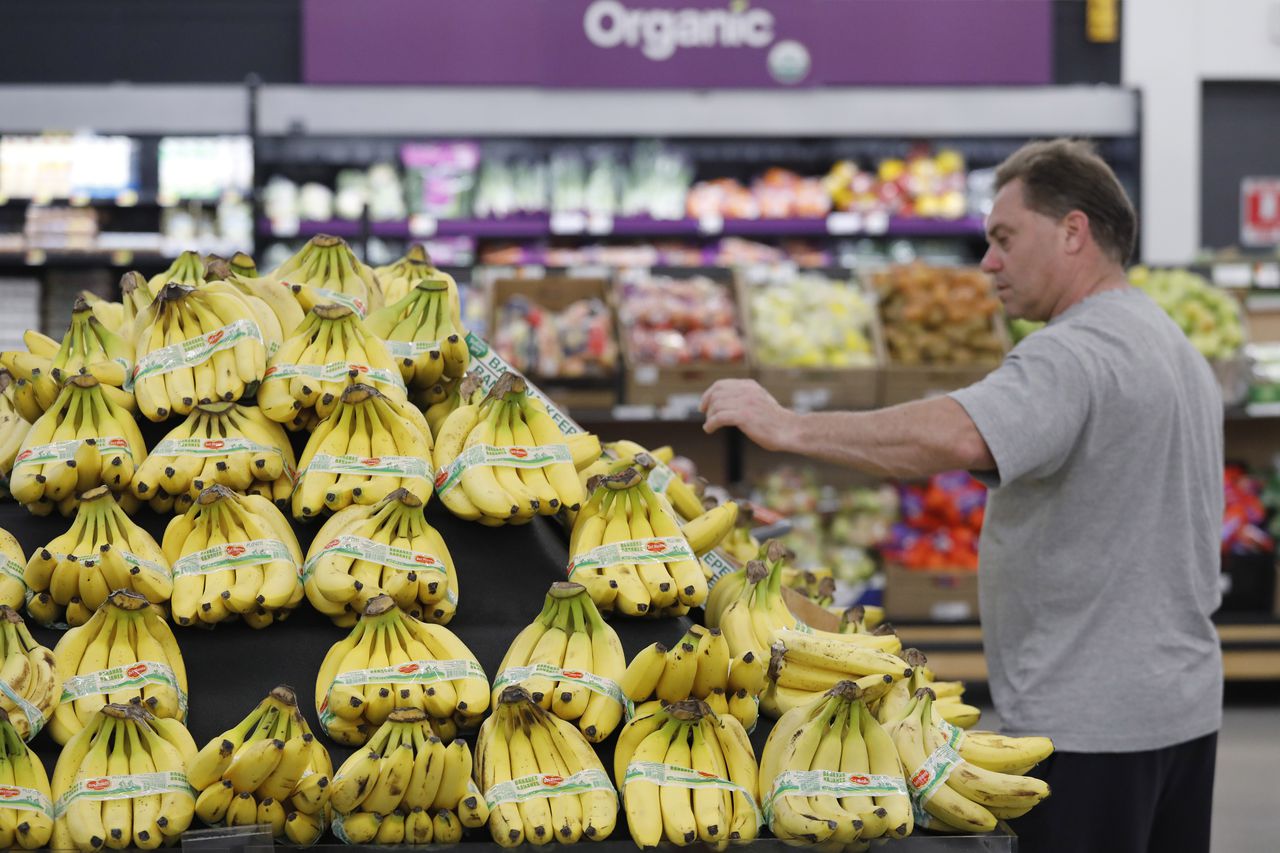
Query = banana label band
x=194 y=350
x=334 y=371
x=63 y=451
x=932 y=774
x=211 y=447
x=127 y=677
x=355 y=303
x=35 y=718
x=489 y=366
x=125 y=787
x=18 y=572
x=130 y=558
x=409 y=672
x=25 y=800
x=663 y=549
x=543 y=785
x=219 y=558
x=589 y=680
x=516 y=456
x=660 y=477
x=716 y=565
x=831 y=783
x=410 y=349
x=683 y=777
x=360 y=548
x=953 y=734
x=370 y=466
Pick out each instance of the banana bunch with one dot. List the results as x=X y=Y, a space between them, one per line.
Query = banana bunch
x=948 y=703
x=13 y=584
x=326 y=271
x=391 y=660
x=688 y=775
x=118 y=317
x=830 y=773
x=859 y=618
x=330 y=350
x=385 y=549
x=505 y=460
x=958 y=794
x=616 y=455
x=125 y=651
x=465 y=391
x=30 y=672
x=242 y=273
x=818 y=585
x=13 y=425
x=226 y=444
x=268 y=769
x=570 y=662
x=188 y=268
x=26 y=811
x=232 y=555
x=121 y=783
x=87 y=346
x=400 y=277
x=406 y=787
x=199 y=345
x=104 y=550
x=698 y=667
x=368 y=447
x=541 y=778
x=628 y=551
x=424 y=331
x=740 y=544
x=84 y=440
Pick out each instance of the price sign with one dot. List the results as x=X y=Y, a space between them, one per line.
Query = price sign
x=1260 y=211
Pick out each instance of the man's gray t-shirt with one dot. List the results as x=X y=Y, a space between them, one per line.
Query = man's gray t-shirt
x=1100 y=552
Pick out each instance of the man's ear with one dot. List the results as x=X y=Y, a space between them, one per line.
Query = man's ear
x=1076 y=231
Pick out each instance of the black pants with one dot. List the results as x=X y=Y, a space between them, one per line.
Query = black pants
x=1159 y=801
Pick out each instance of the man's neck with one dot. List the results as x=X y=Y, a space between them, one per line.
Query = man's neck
x=1091 y=282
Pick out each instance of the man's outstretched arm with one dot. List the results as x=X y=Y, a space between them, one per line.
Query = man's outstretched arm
x=912 y=440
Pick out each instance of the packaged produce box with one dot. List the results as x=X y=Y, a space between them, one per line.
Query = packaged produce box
x=561 y=332
x=936 y=595
x=807 y=333
x=942 y=327
x=680 y=333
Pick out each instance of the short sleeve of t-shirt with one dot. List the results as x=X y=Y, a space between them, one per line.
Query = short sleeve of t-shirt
x=1031 y=410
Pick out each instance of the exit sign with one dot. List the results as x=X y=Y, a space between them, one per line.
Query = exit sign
x=1260 y=211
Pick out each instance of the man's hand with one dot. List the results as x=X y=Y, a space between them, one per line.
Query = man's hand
x=744 y=404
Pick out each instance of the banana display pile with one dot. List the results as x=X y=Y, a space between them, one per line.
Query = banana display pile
x=391 y=660
x=687 y=775
x=232 y=555
x=387 y=549
x=103 y=551
x=26 y=811
x=29 y=671
x=125 y=651
x=700 y=666
x=121 y=782
x=269 y=769
x=570 y=662
x=540 y=777
x=406 y=787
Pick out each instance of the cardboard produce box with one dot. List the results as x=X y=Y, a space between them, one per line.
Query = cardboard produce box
x=675 y=387
x=930 y=595
x=592 y=389
x=813 y=388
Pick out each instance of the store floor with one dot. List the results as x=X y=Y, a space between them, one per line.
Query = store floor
x=1246 y=816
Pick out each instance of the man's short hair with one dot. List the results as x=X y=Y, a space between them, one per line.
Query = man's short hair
x=1062 y=175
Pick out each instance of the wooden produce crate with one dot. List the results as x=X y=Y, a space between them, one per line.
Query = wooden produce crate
x=930 y=594
x=814 y=388
x=902 y=383
x=555 y=293
x=675 y=389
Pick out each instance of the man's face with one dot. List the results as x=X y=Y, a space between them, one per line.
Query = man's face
x=1023 y=255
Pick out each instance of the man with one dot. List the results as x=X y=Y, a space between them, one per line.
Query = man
x=1101 y=437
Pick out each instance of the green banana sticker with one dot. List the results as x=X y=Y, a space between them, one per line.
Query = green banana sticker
x=831 y=783
x=664 y=775
x=931 y=775
x=194 y=350
x=221 y=558
x=661 y=549
x=545 y=785
x=954 y=734
x=127 y=787
x=360 y=548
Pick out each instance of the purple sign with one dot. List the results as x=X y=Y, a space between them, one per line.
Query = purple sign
x=677 y=43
